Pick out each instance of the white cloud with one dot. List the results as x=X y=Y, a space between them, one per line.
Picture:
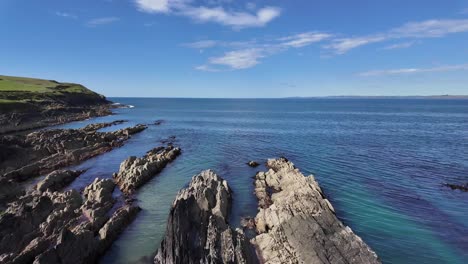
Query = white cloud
x=343 y=45
x=304 y=39
x=202 y=44
x=102 y=21
x=445 y=68
x=402 y=45
x=413 y=30
x=248 y=54
x=217 y=14
x=153 y=6
x=430 y=28
x=66 y=15
x=239 y=59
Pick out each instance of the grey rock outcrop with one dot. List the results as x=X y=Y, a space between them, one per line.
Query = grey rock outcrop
x=198 y=230
x=297 y=224
x=62 y=227
x=38 y=153
x=57 y=180
x=134 y=172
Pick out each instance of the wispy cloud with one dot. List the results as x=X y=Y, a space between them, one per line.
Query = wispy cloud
x=444 y=68
x=343 y=45
x=304 y=39
x=248 y=54
x=66 y=15
x=216 y=14
x=413 y=30
x=402 y=45
x=239 y=59
x=101 y=21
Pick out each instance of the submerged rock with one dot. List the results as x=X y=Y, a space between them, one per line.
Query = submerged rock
x=297 y=224
x=134 y=172
x=461 y=187
x=253 y=164
x=197 y=227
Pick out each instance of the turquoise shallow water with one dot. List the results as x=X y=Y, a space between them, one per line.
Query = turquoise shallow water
x=381 y=162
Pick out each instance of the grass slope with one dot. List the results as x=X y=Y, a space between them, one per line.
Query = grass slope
x=20 y=93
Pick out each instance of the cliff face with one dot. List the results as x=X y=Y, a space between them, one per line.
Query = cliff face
x=297 y=224
x=197 y=227
x=27 y=103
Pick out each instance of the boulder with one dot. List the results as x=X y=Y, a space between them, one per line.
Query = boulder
x=297 y=224
x=253 y=164
x=197 y=228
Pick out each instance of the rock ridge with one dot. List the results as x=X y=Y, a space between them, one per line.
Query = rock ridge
x=198 y=230
x=297 y=224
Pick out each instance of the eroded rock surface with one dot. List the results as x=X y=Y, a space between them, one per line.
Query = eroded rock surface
x=134 y=172
x=57 y=180
x=297 y=224
x=26 y=156
x=198 y=230
x=62 y=227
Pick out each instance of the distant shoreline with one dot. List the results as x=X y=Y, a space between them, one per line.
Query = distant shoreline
x=441 y=97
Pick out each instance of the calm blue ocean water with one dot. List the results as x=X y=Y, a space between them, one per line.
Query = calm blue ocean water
x=381 y=162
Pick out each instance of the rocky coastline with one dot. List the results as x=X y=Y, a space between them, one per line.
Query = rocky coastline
x=37 y=153
x=295 y=223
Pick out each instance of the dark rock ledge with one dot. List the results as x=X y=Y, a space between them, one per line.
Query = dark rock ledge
x=25 y=156
x=297 y=224
x=62 y=227
x=134 y=172
x=197 y=228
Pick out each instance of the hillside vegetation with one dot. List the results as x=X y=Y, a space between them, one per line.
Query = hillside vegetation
x=19 y=93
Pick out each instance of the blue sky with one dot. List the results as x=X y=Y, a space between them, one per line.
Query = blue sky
x=227 y=48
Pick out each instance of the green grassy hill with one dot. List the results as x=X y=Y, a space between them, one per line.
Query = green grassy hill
x=19 y=93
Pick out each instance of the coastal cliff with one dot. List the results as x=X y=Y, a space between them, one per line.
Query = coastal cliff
x=27 y=103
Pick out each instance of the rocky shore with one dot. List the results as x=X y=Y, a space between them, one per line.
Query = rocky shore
x=295 y=223
x=134 y=172
x=26 y=156
x=62 y=227
x=198 y=230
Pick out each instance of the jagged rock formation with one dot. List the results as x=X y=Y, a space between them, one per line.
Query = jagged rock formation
x=26 y=156
x=97 y=126
x=297 y=224
x=62 y=227
x=56 y=180
x=198 y=230
x=134 y=172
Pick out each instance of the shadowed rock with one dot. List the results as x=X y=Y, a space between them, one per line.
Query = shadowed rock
x=197 y=228
x=56 y=180
x=297 y=224
x=253 y=164
x=47 y=150
x=461 y=187
x=32 y=155
x=134 y=172
x=62 y=227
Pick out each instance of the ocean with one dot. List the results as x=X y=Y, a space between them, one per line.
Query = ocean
x=381 y=162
